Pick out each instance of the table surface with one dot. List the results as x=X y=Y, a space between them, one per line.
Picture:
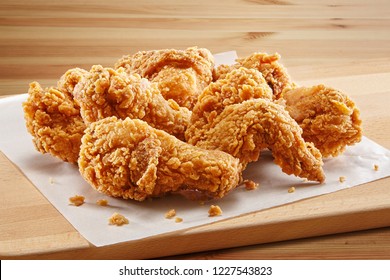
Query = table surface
x=40 y=40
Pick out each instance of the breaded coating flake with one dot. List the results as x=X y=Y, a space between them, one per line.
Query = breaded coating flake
x=170 y=214
x=215 y=210
x=250 y=185
x=102 y=202
x=77 y=200
x=118 y=220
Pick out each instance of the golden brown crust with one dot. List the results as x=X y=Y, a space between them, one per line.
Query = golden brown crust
x=236 y=115
x=181 y=74
x=70 y=79
x=245 y=129
x=272 y=70
x=130 y=159
x=214 y=211
x=238 y=85
x=328 y=117
x=118 y=219
x=106 y=92
x=53 y=119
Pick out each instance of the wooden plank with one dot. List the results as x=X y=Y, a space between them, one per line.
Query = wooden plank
x=202 y=9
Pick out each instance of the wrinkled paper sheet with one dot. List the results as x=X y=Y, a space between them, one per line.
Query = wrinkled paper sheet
x=58 y=181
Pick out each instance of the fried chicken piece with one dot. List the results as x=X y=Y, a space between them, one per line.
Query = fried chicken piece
x=180 y=74
x=54 y=121
x=236 y=115
x=274 y=72
x=239 y=85
x=130 y=159
x=70 y=79
x=106 y=92
x=328 y=117
x=245 y=129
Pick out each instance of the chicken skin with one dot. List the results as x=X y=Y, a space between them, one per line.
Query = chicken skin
x=130 y=159
x=328 y=117
x=236 y=115
x=53 y=119
x=181 y=75
x=105 y=92
x=245 y=129
x=274 y=72
x=70 y=79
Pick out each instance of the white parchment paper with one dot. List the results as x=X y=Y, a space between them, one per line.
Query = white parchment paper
x=58 y=181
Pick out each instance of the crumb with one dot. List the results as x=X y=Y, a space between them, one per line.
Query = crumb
x=178 y=220
x=170 y=214
x=51 y=180
x=215 y=210
x=376 y=167
x=118 y=219
x=342 y=179
x=102 y=202
x=77 y=200
x=250 y=185
x=291 y=190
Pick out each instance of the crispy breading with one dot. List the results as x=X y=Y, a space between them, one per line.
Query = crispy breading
x=130 y=159
x=245 y=129
x=181 y=75
x=328 y=117
x=53 y=119
x=236 y=115
x=70 y=79
x=273 y=71
x=106 y=92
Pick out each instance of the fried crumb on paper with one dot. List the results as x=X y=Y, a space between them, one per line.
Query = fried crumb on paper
x=376 y=167
x=342 y=179
x=170 y=214
x=118 y=219
x=250 y=185
x=291 y=190
x=77 y=200
x=178 y=220
x=215 y=210
x=102 y=202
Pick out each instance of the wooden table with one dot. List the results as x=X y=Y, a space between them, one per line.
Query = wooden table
x=318 y=40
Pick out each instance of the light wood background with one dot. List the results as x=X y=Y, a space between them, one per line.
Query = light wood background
x=41 y=39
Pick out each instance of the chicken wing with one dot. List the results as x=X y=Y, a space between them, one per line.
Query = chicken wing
x=106 y=92
x=236 y=115
x=180 y=74
x=130 y=159
x=245 y=129
x=53 y=119
x=328 y=117
x=274 y=72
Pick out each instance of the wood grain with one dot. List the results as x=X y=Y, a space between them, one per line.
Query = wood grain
x=40 y=40
x=344 y=43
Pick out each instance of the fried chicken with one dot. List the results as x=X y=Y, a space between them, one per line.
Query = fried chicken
x=328 y=117
x=53 y=119
x=245 y=129
x=274 y=72
x=236 y=115
x=70 y=79
x=106 y=92
x=130 y=159
x=180 y=74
